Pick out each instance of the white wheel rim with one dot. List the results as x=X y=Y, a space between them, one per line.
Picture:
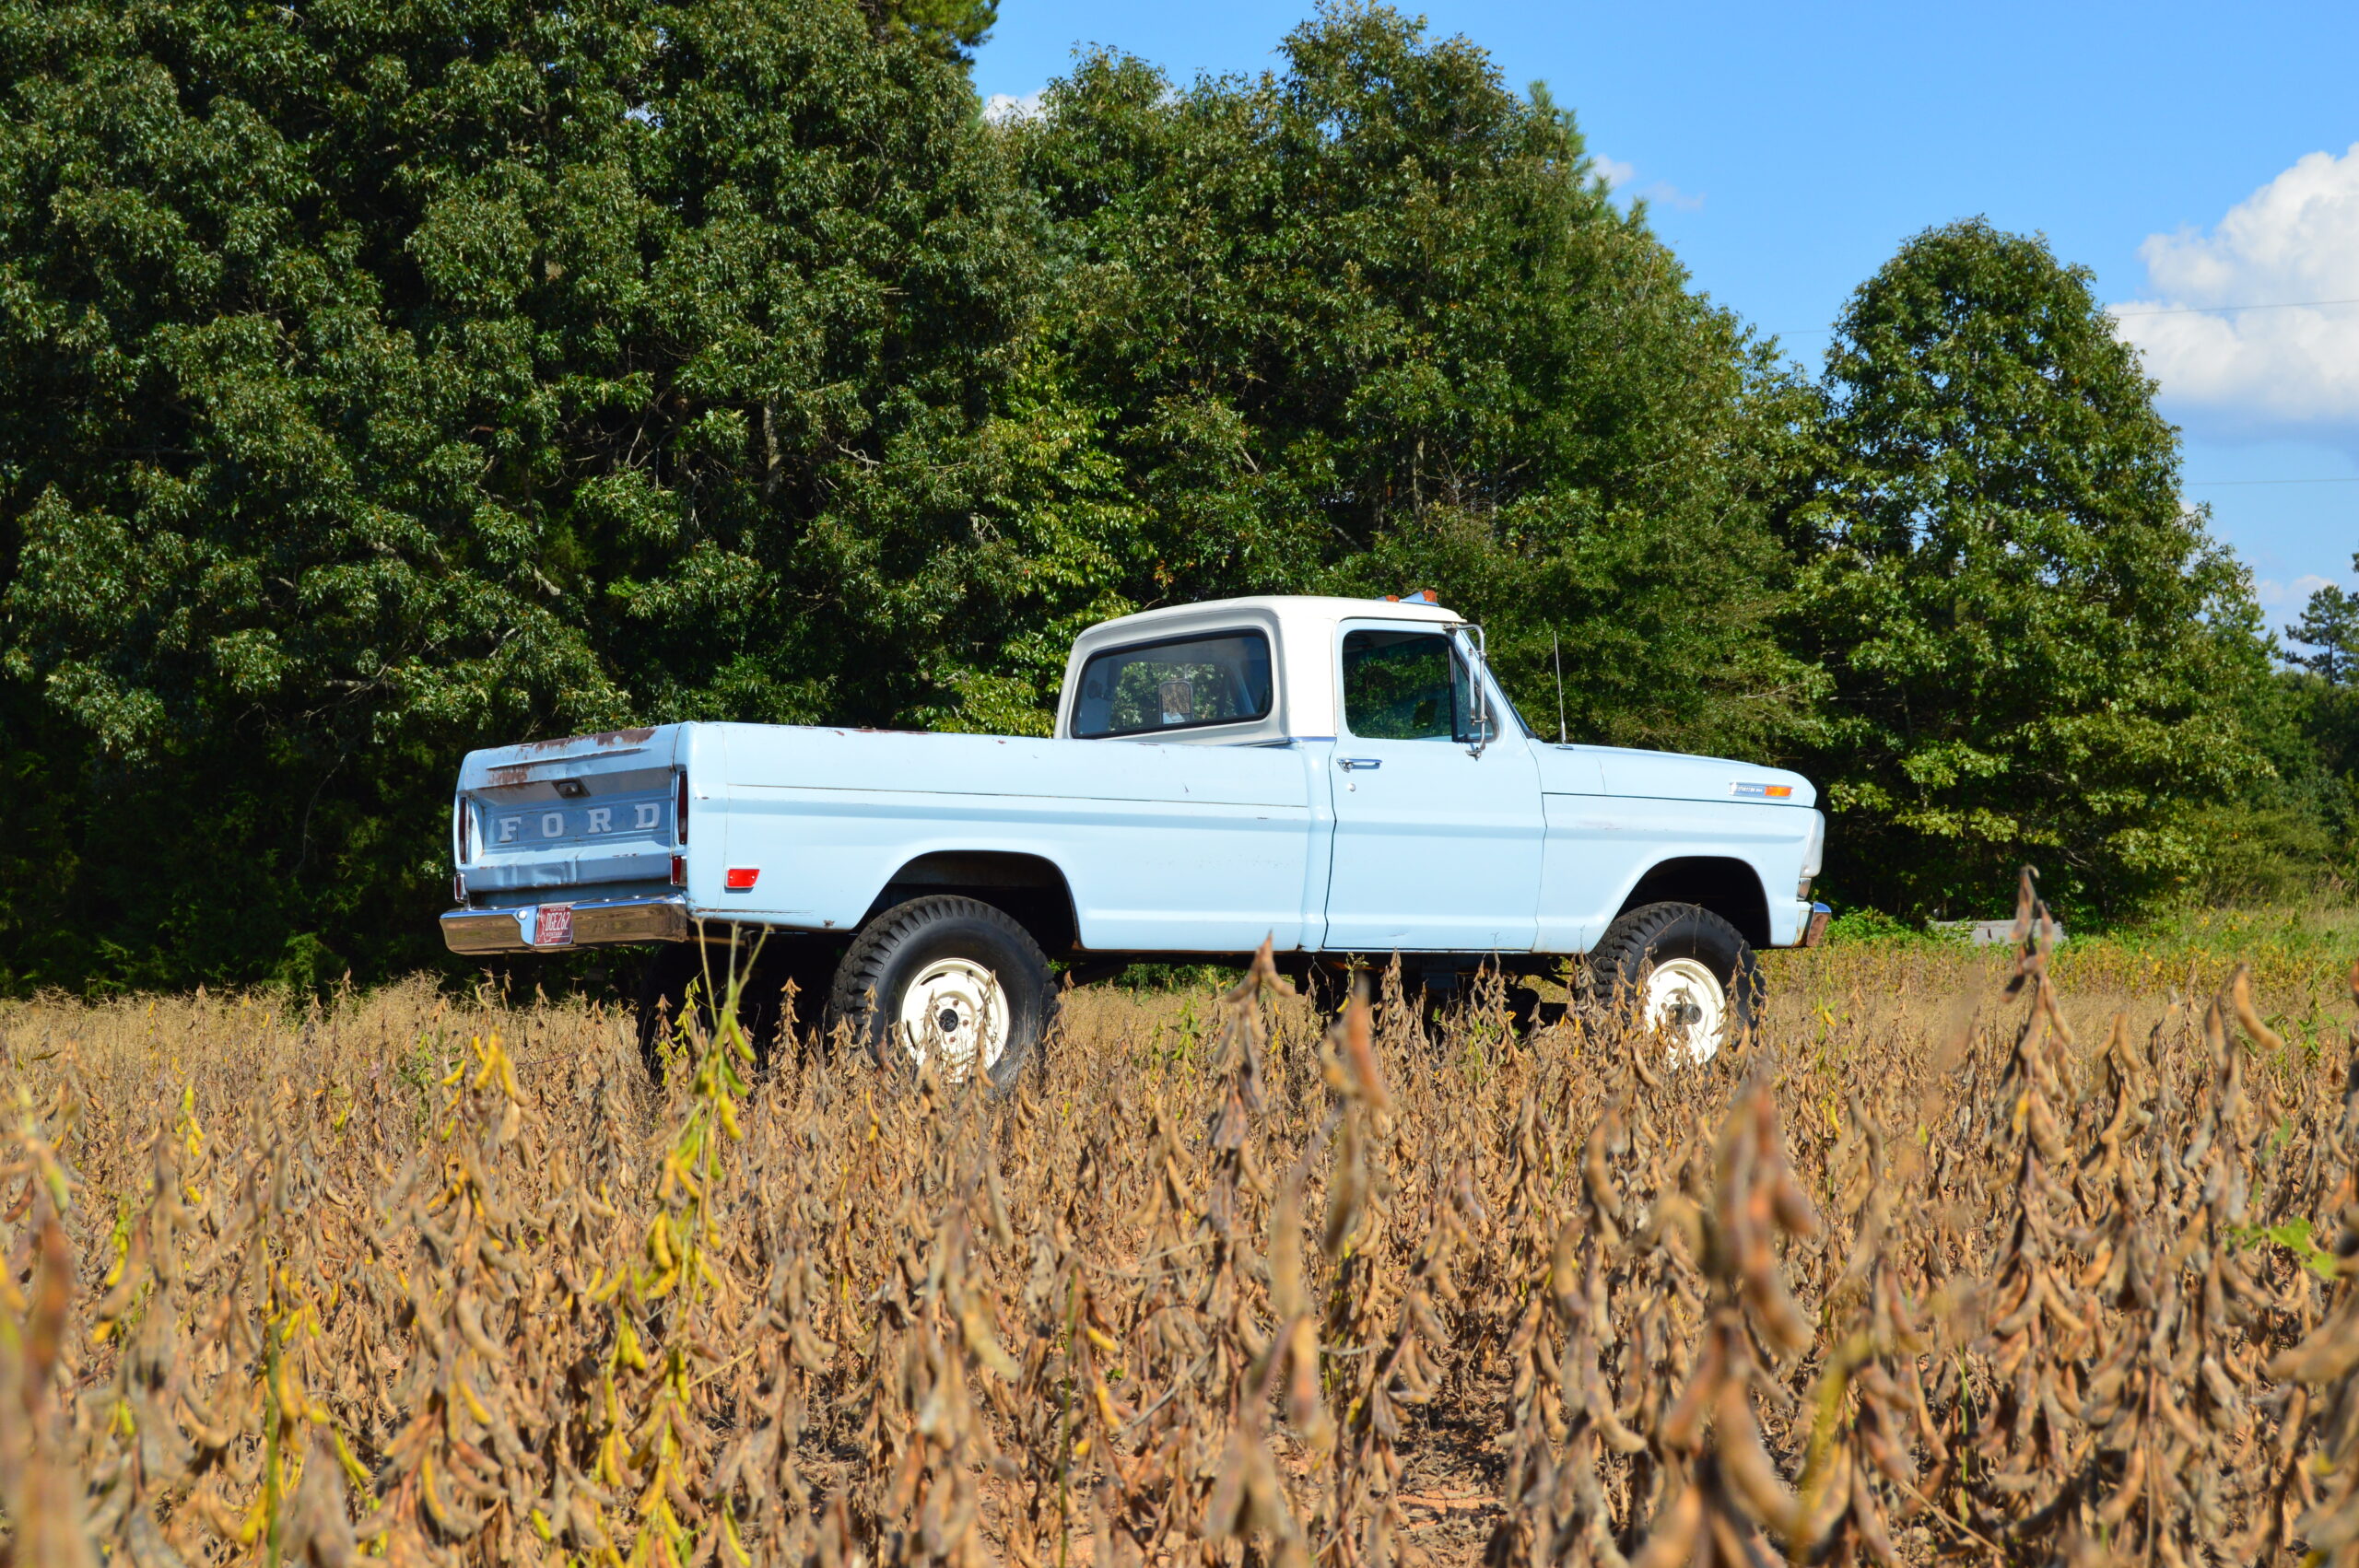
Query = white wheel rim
x=954 y=1015
x=1687 y=1003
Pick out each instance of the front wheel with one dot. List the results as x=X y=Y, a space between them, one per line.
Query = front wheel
x=1682 y=971
x=948 y=980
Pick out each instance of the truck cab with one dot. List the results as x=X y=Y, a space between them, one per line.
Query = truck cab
x=1543 y=844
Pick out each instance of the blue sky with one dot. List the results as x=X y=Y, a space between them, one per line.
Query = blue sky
x=2195 y=157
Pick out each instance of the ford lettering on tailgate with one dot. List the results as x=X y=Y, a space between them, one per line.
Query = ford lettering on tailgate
x=550 y=823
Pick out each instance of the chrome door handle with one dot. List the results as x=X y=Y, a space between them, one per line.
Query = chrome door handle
x=1354 y=763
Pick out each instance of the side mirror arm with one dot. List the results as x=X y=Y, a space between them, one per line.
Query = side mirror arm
x=1477 y=653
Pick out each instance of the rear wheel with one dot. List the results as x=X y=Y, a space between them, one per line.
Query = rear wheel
x=1682 y=971
x=950 y=981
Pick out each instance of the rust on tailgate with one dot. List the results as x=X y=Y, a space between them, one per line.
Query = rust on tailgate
x=510 y=775
x=610 y=738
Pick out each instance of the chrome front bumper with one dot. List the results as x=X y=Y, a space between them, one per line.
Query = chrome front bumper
x=596 y=923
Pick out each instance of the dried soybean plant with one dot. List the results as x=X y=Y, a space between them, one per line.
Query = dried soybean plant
x=1235 y=1281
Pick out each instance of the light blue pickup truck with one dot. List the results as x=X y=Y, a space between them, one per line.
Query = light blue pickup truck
x=1342 y=777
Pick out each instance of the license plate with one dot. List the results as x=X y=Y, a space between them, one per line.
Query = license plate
x=552 y=926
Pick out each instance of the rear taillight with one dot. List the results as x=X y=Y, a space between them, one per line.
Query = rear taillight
x=679 y=870
x=681 y=839
x=459 y=844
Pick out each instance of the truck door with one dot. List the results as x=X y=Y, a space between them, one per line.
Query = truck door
x=1438 y=841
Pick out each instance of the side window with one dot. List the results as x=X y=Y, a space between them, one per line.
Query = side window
x=1175 y=685
x=1403 y=686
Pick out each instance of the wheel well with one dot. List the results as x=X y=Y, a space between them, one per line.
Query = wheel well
x=1729 y=888
x=1028 y=889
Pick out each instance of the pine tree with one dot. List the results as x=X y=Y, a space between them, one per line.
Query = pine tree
x=2329 y=626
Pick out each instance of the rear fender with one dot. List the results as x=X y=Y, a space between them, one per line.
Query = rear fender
x=1030 y=889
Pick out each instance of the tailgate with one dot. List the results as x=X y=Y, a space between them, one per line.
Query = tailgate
x=592 y=811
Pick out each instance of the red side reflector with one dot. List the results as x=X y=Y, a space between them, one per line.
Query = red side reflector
x=679 y=870
x=742 y=877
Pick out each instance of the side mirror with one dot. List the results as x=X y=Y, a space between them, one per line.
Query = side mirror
x=1472 y=651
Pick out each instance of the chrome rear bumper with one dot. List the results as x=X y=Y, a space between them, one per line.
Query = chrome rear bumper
x=596 y=923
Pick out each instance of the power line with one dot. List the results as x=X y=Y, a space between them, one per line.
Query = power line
x=2347 y=479
x=2157 y=311
x=2224 y=309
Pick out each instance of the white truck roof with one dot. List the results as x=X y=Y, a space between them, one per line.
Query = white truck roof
x=1301 y=629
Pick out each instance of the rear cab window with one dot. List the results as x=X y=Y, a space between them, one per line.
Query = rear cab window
x=1184 y=683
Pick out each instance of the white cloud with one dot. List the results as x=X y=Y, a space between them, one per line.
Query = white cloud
x=1003 y=107
x=1620 y=178
x=1663 y=193
x=2296 y=368
x=2278 y=599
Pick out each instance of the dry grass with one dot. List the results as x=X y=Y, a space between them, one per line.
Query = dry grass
x=1918 y=1274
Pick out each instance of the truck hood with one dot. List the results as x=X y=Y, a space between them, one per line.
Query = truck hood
x=1669 y=775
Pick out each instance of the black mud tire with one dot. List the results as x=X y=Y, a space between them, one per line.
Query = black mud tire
x=893 y=949
x=1657 y=933
x=663 y=989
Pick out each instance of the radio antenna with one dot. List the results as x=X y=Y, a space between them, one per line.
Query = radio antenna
x=1559 y=652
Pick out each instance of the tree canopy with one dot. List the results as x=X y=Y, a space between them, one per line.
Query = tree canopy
x=1371 y=320
x=387 y=379
x=2036 y=650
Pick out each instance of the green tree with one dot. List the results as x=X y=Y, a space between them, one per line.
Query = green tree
x=2285 y=833
x=382 y=380
x=952 y=27
x=1371 y=322
x=2036 y=651
x=2329 y=628
x=2299 y=830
